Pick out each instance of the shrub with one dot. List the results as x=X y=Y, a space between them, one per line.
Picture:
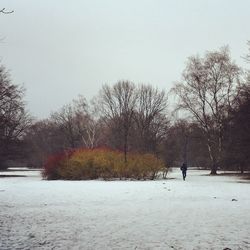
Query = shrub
x=87 y=164
x=54 y=163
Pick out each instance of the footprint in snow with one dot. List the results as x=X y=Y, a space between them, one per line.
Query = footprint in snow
x=31 y=236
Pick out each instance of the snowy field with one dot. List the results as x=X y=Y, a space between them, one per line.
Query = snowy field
x=200 y=213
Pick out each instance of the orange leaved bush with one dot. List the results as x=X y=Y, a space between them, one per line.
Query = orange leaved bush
x=88 y=164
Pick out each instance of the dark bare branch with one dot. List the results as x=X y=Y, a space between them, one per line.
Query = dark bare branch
x=3 y=11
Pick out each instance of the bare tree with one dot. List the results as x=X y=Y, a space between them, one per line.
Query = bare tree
x=118 y=107
x=87 y=122
x=14 y=120
x=65 y=120
x=207 y=90
x=78 y=124
x=150 y=116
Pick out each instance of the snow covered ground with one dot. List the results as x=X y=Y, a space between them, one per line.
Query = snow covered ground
x=164 y=214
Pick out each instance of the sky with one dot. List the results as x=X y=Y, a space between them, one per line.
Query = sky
x=61 y=49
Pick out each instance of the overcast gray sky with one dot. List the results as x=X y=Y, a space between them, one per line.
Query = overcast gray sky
x=59 y=49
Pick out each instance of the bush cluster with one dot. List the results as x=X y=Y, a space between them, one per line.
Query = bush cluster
x=88 y=164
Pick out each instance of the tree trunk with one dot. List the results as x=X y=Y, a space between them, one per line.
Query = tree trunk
x=185 y=149
x=213 y=169
x=241 y=169
x=125 y=147
x=212 y=158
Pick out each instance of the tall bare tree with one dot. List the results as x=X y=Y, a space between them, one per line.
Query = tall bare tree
x=87 y=122
x=208 y=88
x=118 y=106
x=65 y=120
x=14 y=120
x=150 y=116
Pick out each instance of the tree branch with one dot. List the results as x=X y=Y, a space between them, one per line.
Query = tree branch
x=3 y=11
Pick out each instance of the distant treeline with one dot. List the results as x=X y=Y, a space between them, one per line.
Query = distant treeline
x=208 y=128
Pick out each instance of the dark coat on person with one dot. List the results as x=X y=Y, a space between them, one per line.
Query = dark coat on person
x=184 y=167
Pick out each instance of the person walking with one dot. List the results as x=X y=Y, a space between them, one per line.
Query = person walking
x=184 y=170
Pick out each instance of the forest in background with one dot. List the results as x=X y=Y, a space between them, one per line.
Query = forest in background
x=208 y=126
